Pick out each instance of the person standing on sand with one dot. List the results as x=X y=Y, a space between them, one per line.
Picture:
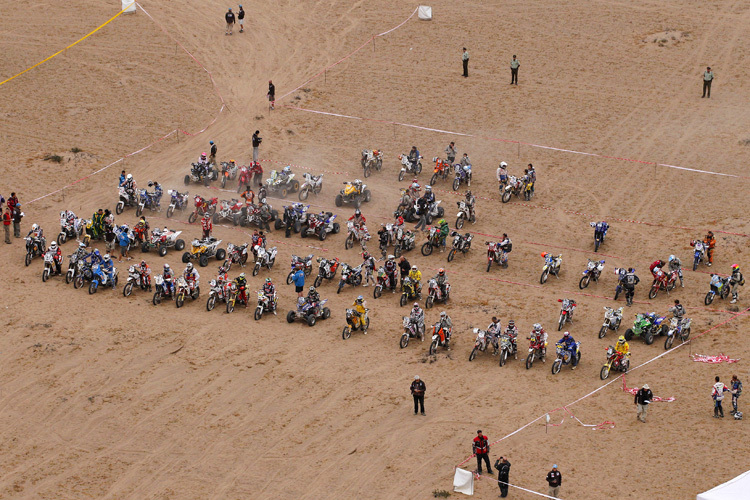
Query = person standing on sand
x=554 y=479
x=450 y=153
x=465 y=60
x=717 y=393
x=271 y=93
x=708 y=77
x=229 y=18
x=503 y=475
x=481 y=448
x=735 y=384
x=256 y=144
x=241 y=19
x=417 y=391
x=514 y=64
x=642 y=399
x=6 y=224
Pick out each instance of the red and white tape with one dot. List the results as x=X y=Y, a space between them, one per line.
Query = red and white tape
x=721 y=358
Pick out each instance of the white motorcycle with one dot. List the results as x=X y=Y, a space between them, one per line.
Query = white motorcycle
x=126 y=200
x=407 y=167
x=356 y=233
x=264 y=305
x=463 y=215
x=592 y=273
x=264 y=258
x=312 y=184
x=612 y=319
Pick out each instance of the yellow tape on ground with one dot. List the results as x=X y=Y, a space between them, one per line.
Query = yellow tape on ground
x=69 y=46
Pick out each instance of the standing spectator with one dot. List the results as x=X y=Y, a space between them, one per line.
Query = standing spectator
x=256 y=144
x=207 y=226
x=123 y=178
x=736 y=280
x=6 y=224
x=110 y=239
x=642 y=399
x=503 y=475
x=514 y=64
x=710 y=242
x=271 y=93
x=718 y=396
x=465 y=60
x=450 y=153
x=404 y=267
x=481 y=447
x=554 y=479
x=708 y=77
x=17 y=216
x=229 y=17
x=417 y=391
x=736 y=384
x=214 y=150
x=532 y=176
x=241 y=19
x=124 y=242
x=299 y=280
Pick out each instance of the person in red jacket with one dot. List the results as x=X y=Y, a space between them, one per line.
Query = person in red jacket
x=657 y=264
x=358 y=219
x=6 y=224
x=481 y=448
x=207 y=226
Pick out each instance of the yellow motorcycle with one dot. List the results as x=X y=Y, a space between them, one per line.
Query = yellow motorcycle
x=355 y=321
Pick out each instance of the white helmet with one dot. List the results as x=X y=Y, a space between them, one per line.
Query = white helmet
x=443 y=314
x=391 y=257
x=129 y=176
x=537 y=326
x=34 y=227
x=189 y=267
x=503 y=164
x=106 y=257
x=53 y=245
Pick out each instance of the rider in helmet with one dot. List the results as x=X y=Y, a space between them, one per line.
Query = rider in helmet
x=470 y=203
x=358 y=219
x=108 y=268
x=600 y=229
x=56 y=253
x=416 y=276
x=207 y=226
x=417 y=316
x=622 y=346
x=440 y=279
x=656 y=266
x=429 y=196
x=390 y=269
x=129 y=186
x=313 y=298
x=414 y=189
x=145 y=275
x=191 y=276
x=539 y=333
x=678 y=311
x=168 y=276
x=570 y=345
x=264 y=214
x=36 y=234
x=414 y=158
x=735 y=280
x=676 y=265
x=710 y=242
x=283 y=176
x=368 y=264
x=447 y=325
x=360 y=312
x=512 y=332
x=502 y=174
x=444 y=230
x=628 y=282
x=223 y=270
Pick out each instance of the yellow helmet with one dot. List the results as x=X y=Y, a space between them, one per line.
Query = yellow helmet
x=621 y=340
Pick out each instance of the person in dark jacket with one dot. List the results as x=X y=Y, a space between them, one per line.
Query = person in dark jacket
x=229 y=18
x=271 y=93
x=503 y=473
x=481 y=448
x=642 y=399
x=554 y=479
x=241 y=19
x=256 y=144
x=404 y=267
x=417 y=391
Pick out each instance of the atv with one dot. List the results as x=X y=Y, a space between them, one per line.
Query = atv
x=354 y=193
x=204 y=250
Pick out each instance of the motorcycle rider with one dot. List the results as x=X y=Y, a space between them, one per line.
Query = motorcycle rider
x=283 y=176
x=56 y=253
x=512 y=332
x=290 y=216
x=441 y=281
x=678 y=311
x=494 y=330
x=600 y=229
x=413 y=158
x=95 y=256
x=241 y=283
x=145 y=271
x=203 y=167
x=313 y=298
x=358 y=219
x=447 y=325
x=736 y=280
x=628 y=283
x=656 y=266
x=108 y=267
x=383 y=240
x=223 y=272
x=444 y=230
x=417 y=316
x=416 y=276
x=158 y=192
x=191 y=276
x=360 y=312
x=502 y=174
x=404 y=267
x=36 y=234
x=141 y=229
x=710 y=243
x=390 y=269
x=130 y=186
x=568 y=305
x=539 y=333
x=269 y=290
x=265 y=215
x=257 y=240
x=207 y=226
x=368 y=264
x=676 y=265
x=248 y=195
x=622 y=346
x=569 y=344
x=470 y=203
x=428 y=195
x=168 y=276
x=465 y=162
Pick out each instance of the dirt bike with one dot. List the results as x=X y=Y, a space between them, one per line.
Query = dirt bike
x=440 y=338
x=513 y=188
x=148 y=201
x=719 y=286
x=442 y=170
x=463 y=214
x=371 y=160
x=411 y=331
x=349 y=276
x=178 y=201
x=99 y=277
x=220 y=290
x=463 y=176
x=599 y=234
x=228 y=172
x=203 y=206
x=551 y=266
x=564 y=357
x=663 y=281
x=679 y=329
x=49 y=266
x=382 y=282
x=75 y=263
x=84 y=272
x=249 y=175
x=305 y=262
x=313 y=184
x=507 y=347
x=404 y=242
x=434 y=294
x=461 y=243
x=238 y=293
x=616 y=361
x=184 y=289
x=126 y=199
x=699 y=255
x=326 y=270
x=354 y=323
x=612 y=319
x=306 y=311
x=163 y=289
x=646 y=326
x=35 y=247
x=566 y=312
x=265 y=304
x=537 y=349
x=496 y=255
x=408 y=167
x=482 y=342
x=593 y=272
x=264 y=258
x=433 y=241
x=408 y=292
x=356 y=233
x=136 y=278
x=237 y=254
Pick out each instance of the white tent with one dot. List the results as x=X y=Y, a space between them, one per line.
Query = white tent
x=734 y=489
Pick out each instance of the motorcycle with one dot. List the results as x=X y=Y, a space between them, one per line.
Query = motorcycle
x=220 y=290
x=461 y=243
x=237 y=254
x=83 y=273
x=440 y=338
x=551 y=266
x=99 y=277
x=371 y=160
x=203 y=206
x=699 y=255
x=514 y=187
x=482 y=342
x=264 y=258
x=356 y=233
x=434 y=294
x=135 y=278
x=599 y=234
x=237 y=293
x=320 y=225
x=183 y=289
x=125 y=200
x=251 y=174
x=663 y=281
x=433 y=241
x=163 y=290
x=616 y=361
x=307 y=312
x=564 y=357
x=507 y=347
x=679 y=329
x=49 y=266
x=496 y=255
x=228 y=172
x=326 y=270
x=566 y=312
x=350 y=276
x=719 y=286
x=407 y=167
x=411 y=331
x=646 y=326
x=75 y=263
x=354 y=323
x=147 y=200
x=312 y=184
x=33 y=248
x=442 y=170
x=537 y=349
x=408 y=291
x=306 y=262
x=404 y=242
x=593 y=272
x=463 y=176
x=382 y=282
x=463 y=214
x=177 y=201
x=612 y=319
x=69 y=229
x=265 y=304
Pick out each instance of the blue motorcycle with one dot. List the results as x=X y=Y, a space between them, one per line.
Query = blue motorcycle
x=719 y=286
x=99 y=277
x=565 y=357
x=148 y=200
x=463 y=176
x=178 y=201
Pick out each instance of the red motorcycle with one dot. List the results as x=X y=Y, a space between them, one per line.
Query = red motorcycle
x=495 y=255
x=537 y=349
x=203 y=206
x=250 y=174
x=663 y=281
x=615 y=361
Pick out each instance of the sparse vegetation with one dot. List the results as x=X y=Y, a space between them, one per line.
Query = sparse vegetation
x=441 y=493
x=745 y=142
x=54 y=158
x=76 y=150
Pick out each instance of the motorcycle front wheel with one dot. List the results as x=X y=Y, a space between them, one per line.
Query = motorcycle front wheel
x=603 y=331
x=180 y=300
x=211 y=303
x=543 y=278
x=604 y=373
x=584 y=282
x=128 y=289
x=709 y=298
x=258 y=313
x=556 y=366
x=404 y=341
x=668 y=342
x=561 y=322
x=503 y=357
x=451 y=254
x=473 y=354
x=529 y=360
x=433 y=347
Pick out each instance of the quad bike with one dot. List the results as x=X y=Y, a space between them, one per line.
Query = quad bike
x=163 y=239
x=199 y=173
x=277 y=183
x=313 y=184
x=646 y=326
x=297 y=212
x=320 y=225
x=371 y=160
x=229 y=210
x=355 y=193
x=306 y=311
x=204 y=250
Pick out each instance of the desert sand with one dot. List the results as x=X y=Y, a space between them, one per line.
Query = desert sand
x=110 y=397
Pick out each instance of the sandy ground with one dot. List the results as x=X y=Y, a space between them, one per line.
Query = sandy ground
x=108 y=397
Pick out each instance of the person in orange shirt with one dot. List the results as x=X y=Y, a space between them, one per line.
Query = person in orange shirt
x=710 y=242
